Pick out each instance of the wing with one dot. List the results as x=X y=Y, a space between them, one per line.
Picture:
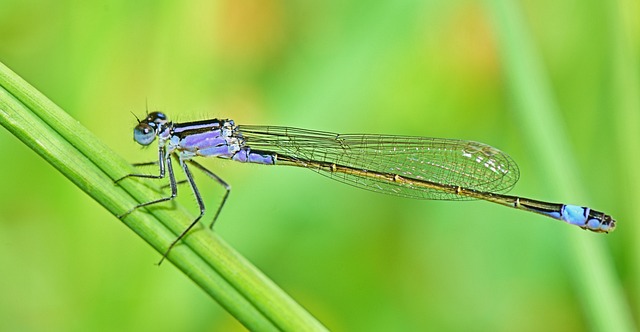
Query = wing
x=450 y=162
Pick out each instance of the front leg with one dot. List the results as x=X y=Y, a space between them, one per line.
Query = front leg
x=172 y=182
x=161 y=162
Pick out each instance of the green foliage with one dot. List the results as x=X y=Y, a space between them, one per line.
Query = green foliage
x=554 y=84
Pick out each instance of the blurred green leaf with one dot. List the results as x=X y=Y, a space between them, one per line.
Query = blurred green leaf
x=594 y=273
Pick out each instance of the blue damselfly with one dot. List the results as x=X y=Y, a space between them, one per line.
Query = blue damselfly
x=413 y=167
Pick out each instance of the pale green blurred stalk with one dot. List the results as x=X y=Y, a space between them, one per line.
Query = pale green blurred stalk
x=205 y=258
x=625 y=90
x=593 y=271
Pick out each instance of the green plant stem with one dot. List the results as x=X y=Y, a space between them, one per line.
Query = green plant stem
x=591 y=266
x=203 y=256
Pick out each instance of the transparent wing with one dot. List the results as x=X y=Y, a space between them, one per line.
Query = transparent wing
x=467 y=164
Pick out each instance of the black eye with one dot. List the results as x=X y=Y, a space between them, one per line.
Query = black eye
x=144 y=134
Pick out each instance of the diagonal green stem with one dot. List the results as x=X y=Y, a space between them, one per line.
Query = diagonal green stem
x=211 y=263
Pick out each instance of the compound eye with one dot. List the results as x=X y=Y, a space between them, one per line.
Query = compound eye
x=144 y=134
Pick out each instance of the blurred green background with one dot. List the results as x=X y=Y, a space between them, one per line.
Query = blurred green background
x=356 y=260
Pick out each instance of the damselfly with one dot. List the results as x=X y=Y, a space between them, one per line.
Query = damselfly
x=413 y=167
